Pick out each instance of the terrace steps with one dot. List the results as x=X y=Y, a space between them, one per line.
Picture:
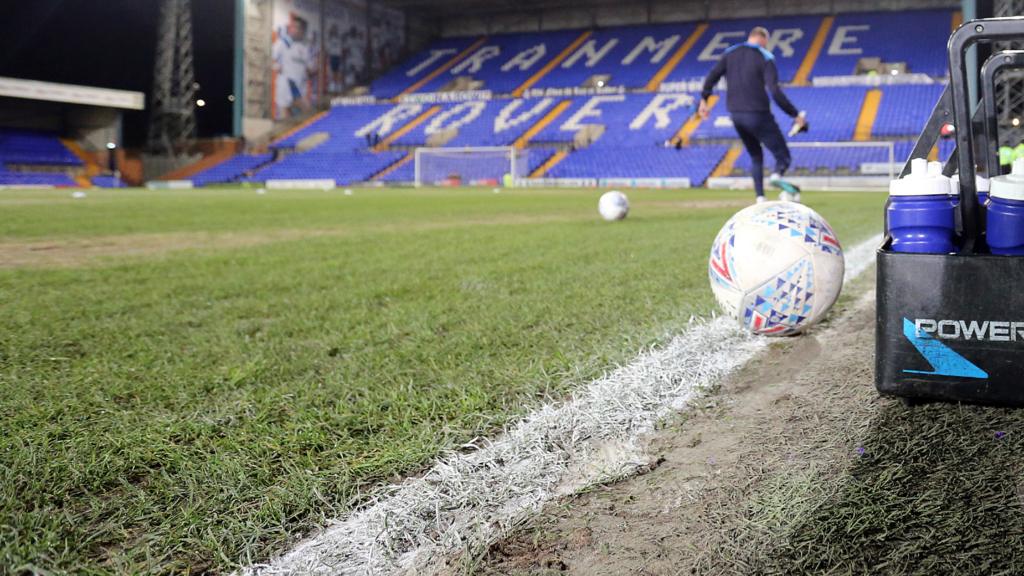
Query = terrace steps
x=725 y=167
x=445 y=67
x=550 y=163
x=868 y=113
x=393 y=166
x=541 y=124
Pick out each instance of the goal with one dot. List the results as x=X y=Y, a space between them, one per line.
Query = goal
x=471 y=166
x=871 y=158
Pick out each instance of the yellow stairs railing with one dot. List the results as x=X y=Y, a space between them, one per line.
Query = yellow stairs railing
x=301 y=125
x=541 y=124
x=725 y=167
x=868 y=113
x=91 y=167
x=803 y=73
x=550 y=163
x=392 y=167
x=655 y=82
x=536 y=77
x=445 y=67
x=405 y=129
x=692 y=123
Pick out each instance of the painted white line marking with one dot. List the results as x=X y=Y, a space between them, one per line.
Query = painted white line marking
x=469 y=500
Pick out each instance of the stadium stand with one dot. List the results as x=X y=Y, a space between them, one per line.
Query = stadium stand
x=812 y=161
x=420 y=67
x=345 y=167
x=791 y=38
x=904 y=110
x=33 y=158
x=29 y=179
x=621 y=56
x=34 y=149
x=916 y=37
x=504 y=62
x=231 y=169
x=833 y=113
x=695 y=163
x=632 y=129
x=107 y=181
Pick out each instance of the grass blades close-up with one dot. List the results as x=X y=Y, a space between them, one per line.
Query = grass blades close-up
x=192 y=379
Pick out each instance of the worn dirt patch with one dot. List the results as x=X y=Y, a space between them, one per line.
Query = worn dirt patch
x=85 y=251
x=772 y=435
x=696 y=204
x=99 y=250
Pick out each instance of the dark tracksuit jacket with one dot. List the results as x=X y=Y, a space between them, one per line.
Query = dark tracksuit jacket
x=750 y=75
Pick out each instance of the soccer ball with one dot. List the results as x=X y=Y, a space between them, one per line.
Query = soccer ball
x=776 y=267
x=613 y=206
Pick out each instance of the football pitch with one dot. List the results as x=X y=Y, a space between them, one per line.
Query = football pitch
x=192 y=379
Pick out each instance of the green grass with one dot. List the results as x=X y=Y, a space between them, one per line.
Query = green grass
x=189 y=410
x=939 y=489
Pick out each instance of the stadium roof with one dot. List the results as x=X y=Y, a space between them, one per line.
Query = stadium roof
x=72 y=94
x=445 y=8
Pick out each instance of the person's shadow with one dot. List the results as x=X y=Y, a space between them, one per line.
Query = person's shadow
x=934 y=489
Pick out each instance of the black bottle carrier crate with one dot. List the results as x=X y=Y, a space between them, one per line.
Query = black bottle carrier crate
x=950 y=327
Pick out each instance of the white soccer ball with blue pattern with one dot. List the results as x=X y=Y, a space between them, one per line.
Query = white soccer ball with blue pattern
x=777 y=268
x=613 y=206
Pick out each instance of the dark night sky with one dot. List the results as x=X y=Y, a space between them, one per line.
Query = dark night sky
x=111 y=44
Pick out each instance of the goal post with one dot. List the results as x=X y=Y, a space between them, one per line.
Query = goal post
x=472 y=166
x=838 y=165
x=866 y=158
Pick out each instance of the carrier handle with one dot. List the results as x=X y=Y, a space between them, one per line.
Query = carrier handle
x=964 y=37
x=941 y=114
x=1014 y=60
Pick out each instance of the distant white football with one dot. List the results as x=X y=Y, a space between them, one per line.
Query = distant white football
x=78 y=194
x=613 y=206
x=777 y=268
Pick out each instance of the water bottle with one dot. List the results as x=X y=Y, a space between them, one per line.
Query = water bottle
x=1005 y=214
x=920 y=214
x=982 y=185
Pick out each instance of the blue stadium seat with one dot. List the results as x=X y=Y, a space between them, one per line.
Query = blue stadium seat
x=8 y=178
x=695 y=163
x=793 y=35
x=500 y=73
x=419 y=66
x=917 y=37
x=231 y=169
x=630 y=55
x=904 y=110
x=106 y=181
x=344 y=167
x=832 y=112
x=34 y=148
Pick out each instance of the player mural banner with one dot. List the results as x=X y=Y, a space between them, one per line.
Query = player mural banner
x=322 y=48
x=296 y=54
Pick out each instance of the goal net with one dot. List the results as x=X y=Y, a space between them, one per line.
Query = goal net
x=830 y=165
x=479 y=166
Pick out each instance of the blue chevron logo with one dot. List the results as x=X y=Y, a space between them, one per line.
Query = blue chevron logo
x=943 y=359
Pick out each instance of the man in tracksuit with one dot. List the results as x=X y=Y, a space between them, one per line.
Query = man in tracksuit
x=749 y=69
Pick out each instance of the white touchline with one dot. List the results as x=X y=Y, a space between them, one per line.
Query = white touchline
x=468 y=500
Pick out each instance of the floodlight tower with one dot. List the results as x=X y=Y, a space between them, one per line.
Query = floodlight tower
x=1009 y=91
x=172 y=109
